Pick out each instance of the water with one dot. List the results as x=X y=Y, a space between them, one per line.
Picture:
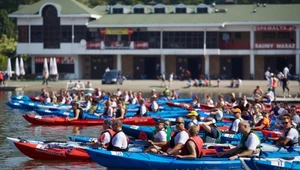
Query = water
x=12 y=124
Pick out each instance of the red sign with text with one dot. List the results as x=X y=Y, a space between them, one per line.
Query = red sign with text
x=59 y=60
x=274 y=28
x=275 y=45
x=93 y=45
x=141 y=45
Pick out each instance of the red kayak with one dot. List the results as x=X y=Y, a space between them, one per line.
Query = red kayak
x=54 y=120
x=270 y=133
x=50 y=151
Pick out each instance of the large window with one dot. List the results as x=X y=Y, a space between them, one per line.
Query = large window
x=23 y=34
x=36 y=34
x=190 y=40
x=159 y=10
x=139 y=10
x=180 y=10
x=62 y=68
x=153 y=38
x=284 y=35
x=79 y=33
x=268 y=35
x=117 y=10
x=211 y=39
x=51 y=27
x=202 y=10
x=66 y=33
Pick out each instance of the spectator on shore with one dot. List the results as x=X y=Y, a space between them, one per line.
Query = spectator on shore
x=107 y=69
x=1 y=78
x=238 y=83
x=88 y=84
x=163 y=79
x=45 y=78
x=171 y=79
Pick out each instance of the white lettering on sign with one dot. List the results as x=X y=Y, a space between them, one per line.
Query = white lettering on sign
x=285 y=28
x=286 y=45
x=275 y=45
x=259 y=45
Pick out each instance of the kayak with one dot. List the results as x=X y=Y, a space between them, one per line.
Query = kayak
x=286 y=163
x=14 y=105
x=42 y=150
x=55 y=120
x=20 y=97
x=155 y=161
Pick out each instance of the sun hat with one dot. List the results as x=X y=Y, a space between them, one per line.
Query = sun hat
x=192 y=113
x=236 y=110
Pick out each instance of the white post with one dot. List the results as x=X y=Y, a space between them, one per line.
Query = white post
x=119 y=62
x=33 y=64
x=77 y=63
x=252 y=42
x=298 y=50
x=161 y=39
x=204 y=43
x=162 y=64
x=206 y=58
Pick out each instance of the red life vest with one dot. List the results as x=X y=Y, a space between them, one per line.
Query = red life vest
x=110 y=132
x=198 y=142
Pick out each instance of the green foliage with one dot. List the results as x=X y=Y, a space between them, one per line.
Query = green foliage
x=7 y=48
x=6 y=24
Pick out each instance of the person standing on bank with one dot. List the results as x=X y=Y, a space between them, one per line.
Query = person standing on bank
x=45 y=77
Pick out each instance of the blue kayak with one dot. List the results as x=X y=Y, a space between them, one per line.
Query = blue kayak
x=15 y=105
x=20 y=97
x=180 y=100
x=285 y=163
x=142 y=160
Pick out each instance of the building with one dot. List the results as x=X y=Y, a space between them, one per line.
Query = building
x=230 y=41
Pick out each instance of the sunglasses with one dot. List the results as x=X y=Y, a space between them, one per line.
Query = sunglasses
x=284 y=123
x=178 y=122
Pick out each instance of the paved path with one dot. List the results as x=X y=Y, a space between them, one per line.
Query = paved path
x=147 y=85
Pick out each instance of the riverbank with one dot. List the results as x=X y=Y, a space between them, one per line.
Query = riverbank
x=147 y=85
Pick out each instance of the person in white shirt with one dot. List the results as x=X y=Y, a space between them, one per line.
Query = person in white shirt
x=247 y=146
x=286 y=71
x=126 y=97
x=154 y=105
x=105 y=137
x=134 y=99
x=234 y=128
x=119 y=141
x=267 y=74
x=159 y=138
x=47 y=99
x=209 y=101
x=270 y=96
x=142 y=110
x=171 y=79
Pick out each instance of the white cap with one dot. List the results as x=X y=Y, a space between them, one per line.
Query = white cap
x=153 y=89
x=271 y=74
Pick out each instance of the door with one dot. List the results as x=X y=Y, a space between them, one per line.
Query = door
x=152 y=67
x=225 y=68
x=99 y=64
x=195 y=67
x=138 y=68
x=237 y=67
x=182 y=64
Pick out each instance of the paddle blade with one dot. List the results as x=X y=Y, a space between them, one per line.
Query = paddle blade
x=143 y=135
x=219 y=149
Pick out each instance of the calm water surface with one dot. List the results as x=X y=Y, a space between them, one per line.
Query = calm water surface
x=12 y=124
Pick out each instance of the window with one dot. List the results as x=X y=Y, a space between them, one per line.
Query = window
x=268 y=35
x=211 y=39
x=117 y=11
x=138 y=10
x=284 y=35
x=66 y=33
x=51 y=27
x=79 y=33
x=183 y=40
x=36 y=34
x=202 y=10
x=159 y=10
x=238 y=35
x=180 y=10
x=23 y=34
x=62 y=68
x=153 y=38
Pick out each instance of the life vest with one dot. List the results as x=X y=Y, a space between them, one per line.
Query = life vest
x=80 y=117
x=260 y=122
x=138 y=113
x=291 y=143
x=199 y=144
x=172 y=141
x=243 y=146
x=110 y=132
x=209 y=139
x=111 y=147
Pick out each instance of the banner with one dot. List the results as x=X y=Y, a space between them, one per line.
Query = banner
x=93 y=45
x=141 y=45
x=116 y=31
x=59 y=60
x=275 y=45
x=275 y=28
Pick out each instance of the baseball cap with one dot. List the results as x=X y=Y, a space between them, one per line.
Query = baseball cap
x=192 y=113
x=108 y=122
x=236 y=110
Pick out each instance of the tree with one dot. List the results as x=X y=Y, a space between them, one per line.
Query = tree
x=7 y=48
x=6 y=24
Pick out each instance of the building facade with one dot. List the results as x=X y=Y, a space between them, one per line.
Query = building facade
x=226 y=41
